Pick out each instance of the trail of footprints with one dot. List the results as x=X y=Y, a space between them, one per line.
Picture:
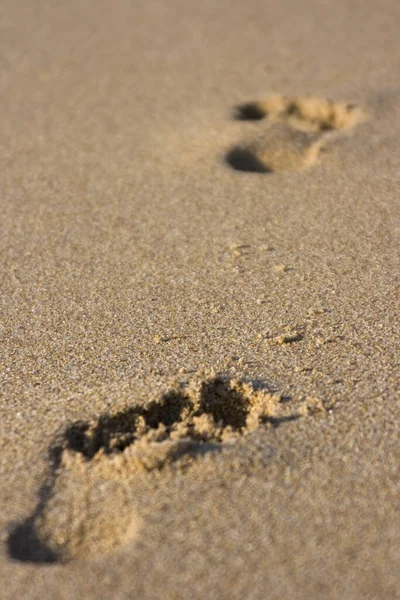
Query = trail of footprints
x=297 y=130
x=85 y=505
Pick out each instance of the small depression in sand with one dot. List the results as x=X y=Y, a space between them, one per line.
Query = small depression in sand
x=297 y=130
x=85 y=504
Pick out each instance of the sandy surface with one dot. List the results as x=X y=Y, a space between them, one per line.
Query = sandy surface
x=200 y=348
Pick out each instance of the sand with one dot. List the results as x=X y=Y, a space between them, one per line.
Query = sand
x=200 y=300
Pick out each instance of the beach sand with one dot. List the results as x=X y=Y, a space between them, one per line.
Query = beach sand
x=200 y=300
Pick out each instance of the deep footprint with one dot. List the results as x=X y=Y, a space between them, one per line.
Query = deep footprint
x=298 y=129
x=84 y=506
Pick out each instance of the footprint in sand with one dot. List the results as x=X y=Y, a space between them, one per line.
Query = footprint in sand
x=298 y=129
x=85 y=506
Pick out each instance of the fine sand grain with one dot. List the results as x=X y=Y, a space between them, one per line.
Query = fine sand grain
x=200 y=300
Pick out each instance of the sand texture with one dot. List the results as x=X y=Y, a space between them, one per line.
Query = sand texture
x=199 y=308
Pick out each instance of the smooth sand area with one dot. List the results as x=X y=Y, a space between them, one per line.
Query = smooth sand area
x=200 y=259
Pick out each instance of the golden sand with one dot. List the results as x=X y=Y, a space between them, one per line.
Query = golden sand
x=199 y=300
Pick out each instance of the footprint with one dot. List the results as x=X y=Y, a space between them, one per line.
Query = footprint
x=298 y=129
x=86 y=505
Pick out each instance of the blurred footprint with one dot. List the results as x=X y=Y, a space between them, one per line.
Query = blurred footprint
x=297 y=130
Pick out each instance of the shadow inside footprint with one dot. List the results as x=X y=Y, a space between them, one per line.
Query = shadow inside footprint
x=24 y=545
x=250 y=111
x=242 y=159
x=114 y=433
x=228 y=406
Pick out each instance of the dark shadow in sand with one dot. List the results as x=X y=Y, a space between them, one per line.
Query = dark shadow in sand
x=23 y=542
x=242 y=159
x=250 y=111
x=24 y=545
